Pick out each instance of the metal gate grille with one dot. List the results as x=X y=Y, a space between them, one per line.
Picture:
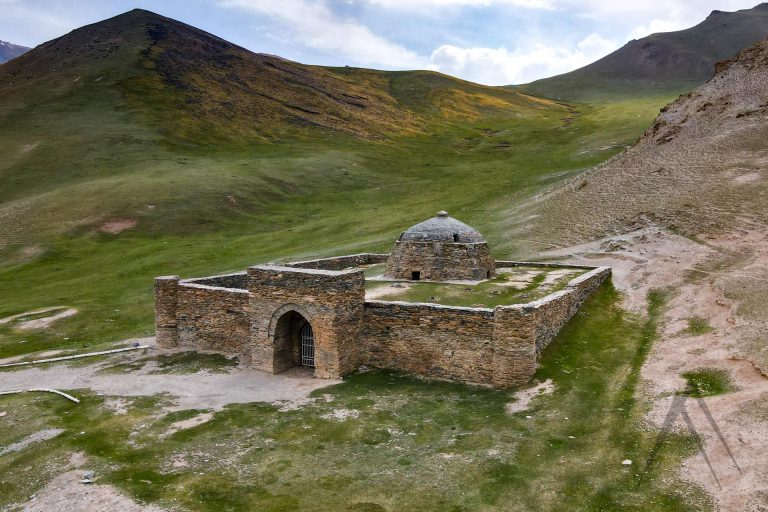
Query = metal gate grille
x=307 y=346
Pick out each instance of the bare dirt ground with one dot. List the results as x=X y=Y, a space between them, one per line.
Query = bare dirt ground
x=67 y=493
x=202 y=390
x=42 y=435
x=524 y=397
x=116 y=226
x=708 y=280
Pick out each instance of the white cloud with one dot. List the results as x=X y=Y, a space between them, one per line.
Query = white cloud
x=315 y=25
x=500 y=66
x=651 y=16
x=28 y=24
x=421 y=4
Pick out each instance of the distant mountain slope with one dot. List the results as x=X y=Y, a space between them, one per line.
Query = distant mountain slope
x=143 y=110
x=672 y=61
x=10 y=51
x=701 y=167
x=163 y=67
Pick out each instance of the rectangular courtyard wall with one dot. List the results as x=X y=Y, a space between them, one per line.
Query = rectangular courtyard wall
x=237 y=280
x=207 y=313
x=498 y=347
x=553 y=312
x=425 y=339
x=234 y=313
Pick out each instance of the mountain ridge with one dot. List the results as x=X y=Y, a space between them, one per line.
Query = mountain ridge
x=231 y=93
x=700 y=167
x=9 y=51
x=662 y=62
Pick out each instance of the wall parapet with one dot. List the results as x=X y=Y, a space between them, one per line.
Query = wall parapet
x=233 y=281
x=426 y=305
x=546 y=264
x=341 y=262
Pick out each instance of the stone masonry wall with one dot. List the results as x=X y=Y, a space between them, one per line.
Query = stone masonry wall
x=166 y=324
x=498 y=347
x=237 y=280
x=331 y=301
x=341 y=262
x=554 y=311
x=213 y=318
x=440 y=261
x=522 y=331
x=426 y=339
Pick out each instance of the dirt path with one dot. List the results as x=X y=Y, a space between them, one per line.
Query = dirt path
x=199 y=390
x=701 y=287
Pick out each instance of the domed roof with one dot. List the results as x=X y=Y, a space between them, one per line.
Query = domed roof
x=442 y=229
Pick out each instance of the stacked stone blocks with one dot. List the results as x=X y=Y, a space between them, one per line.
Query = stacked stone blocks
x=496 y=347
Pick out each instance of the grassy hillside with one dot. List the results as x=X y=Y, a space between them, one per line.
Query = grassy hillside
x=218 y=171
x=664 y=63
x=140 y=146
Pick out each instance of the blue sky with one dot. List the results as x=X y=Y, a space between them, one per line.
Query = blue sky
x=493 y=42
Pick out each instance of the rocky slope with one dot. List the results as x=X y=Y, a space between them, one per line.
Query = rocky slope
x=672 y=61
x=700 y=168
x=685 y=211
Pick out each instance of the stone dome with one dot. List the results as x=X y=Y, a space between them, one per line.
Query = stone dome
x=442 y=228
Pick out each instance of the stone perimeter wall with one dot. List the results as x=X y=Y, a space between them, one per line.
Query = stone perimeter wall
x=497 y=347
x=425 y=339
x=191 y=314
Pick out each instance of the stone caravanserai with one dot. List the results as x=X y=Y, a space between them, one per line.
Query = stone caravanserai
x=315 y=313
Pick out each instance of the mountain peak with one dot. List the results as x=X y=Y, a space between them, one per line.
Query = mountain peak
x=10 y=51
x=670 y=62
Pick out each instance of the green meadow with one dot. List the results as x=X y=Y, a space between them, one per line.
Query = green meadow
x=386 y=441
x=211 y=209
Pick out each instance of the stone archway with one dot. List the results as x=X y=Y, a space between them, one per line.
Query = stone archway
x=293 y=338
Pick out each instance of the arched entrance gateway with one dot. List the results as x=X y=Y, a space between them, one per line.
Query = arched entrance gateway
x=294 y=342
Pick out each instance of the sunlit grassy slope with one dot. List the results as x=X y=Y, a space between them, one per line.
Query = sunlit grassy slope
x=227 y=158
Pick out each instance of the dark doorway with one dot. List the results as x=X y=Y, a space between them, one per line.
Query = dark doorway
x=294 y=342
x=415 y=275
x=307 y=346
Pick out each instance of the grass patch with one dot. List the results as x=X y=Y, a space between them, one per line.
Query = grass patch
x=505 y=288
x=193 y=362
x=698 y=325
x=182 y=363
x=704 y=382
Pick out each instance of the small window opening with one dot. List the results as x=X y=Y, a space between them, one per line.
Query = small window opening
x=455 y=237
x=488 y=275
x=415 y=275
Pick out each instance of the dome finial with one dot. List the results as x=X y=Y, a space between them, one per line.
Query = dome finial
x=442 y=213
